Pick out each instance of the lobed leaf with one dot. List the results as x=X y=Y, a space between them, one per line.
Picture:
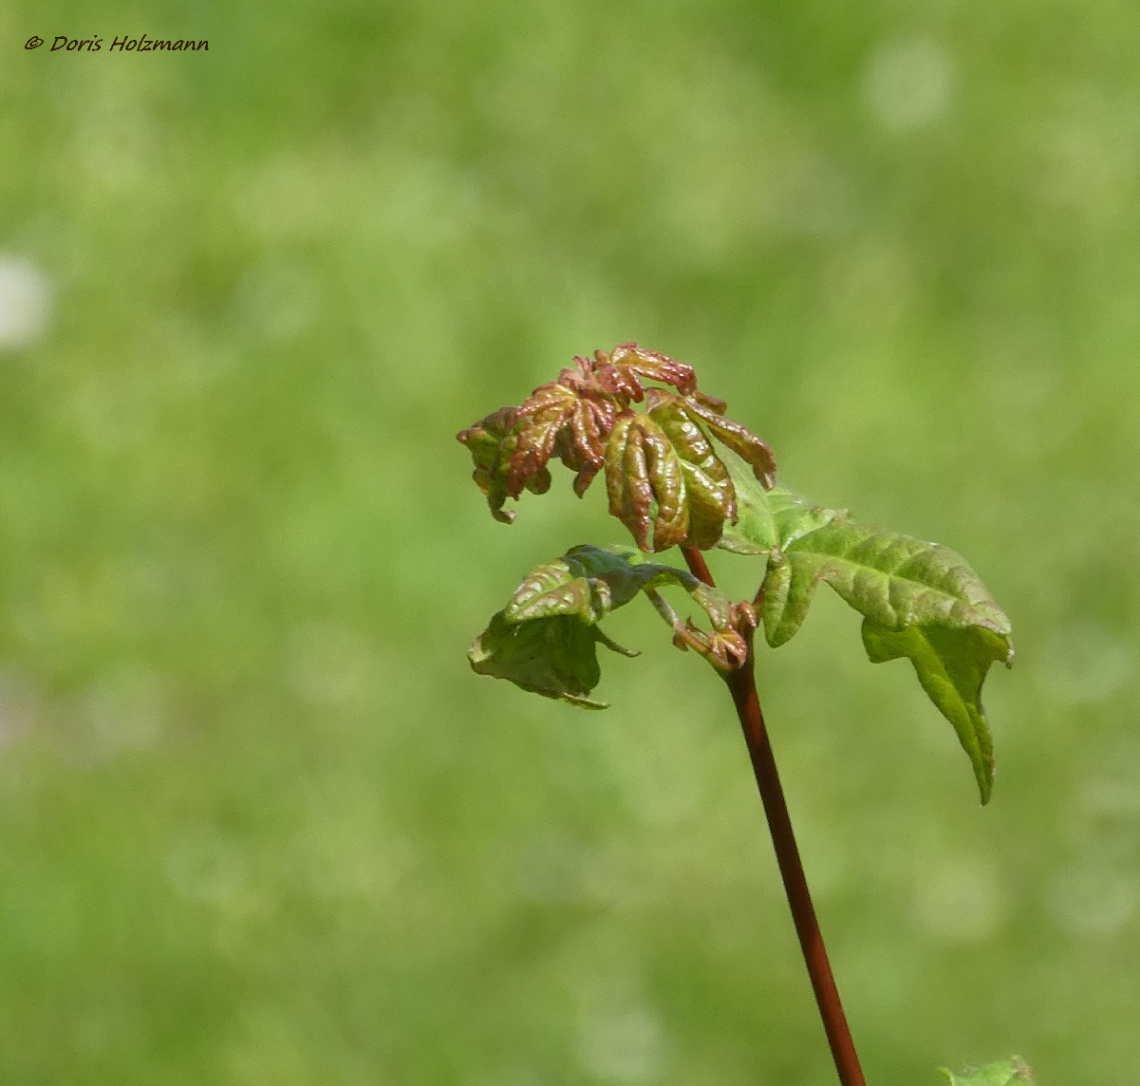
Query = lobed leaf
x=539 y=423
x=1012 y=1072
x=919 y=600
x=645 y=483
x=709 y=497
x=665 y=480
x=754 y=531
x=620 y=370
x=893 y=579
x=769 y=519
x=589 y=582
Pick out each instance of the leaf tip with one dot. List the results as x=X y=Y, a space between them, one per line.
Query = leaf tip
x=583 y=703
x=986 y=781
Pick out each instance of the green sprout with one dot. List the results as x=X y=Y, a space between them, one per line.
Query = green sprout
x=680 y=473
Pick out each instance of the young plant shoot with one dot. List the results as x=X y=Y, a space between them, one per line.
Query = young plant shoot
x=680 y=473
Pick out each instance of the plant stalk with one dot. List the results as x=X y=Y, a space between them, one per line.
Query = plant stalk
x=742 y=685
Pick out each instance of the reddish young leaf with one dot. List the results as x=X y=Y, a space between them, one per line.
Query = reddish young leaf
x=492 y=442
x=665 y=481
x=753 y=450
x=710 y=499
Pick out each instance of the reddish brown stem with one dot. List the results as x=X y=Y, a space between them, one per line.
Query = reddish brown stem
x=742 y=685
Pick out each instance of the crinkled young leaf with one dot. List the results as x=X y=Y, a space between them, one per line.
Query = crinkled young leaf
x=545 y=639
x=646 y=484
x=1013 y=1072
x=493 y=443
x=753 y=450
x=951 y=665
x=620 y=371
x=512 y=446
x=539 y=423
x=664 y=479
x=708 y=497
x=570 y=418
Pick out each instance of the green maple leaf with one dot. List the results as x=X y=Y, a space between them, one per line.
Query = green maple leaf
x=919 y=600
x=951 y=666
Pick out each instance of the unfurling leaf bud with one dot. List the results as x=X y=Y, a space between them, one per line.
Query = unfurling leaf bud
x=665 y=481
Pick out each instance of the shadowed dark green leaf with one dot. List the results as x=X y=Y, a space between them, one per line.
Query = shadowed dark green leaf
x=589 y=582
x=545 y=639
x=554 y=656
x=1012 y=1072
x=951 y=665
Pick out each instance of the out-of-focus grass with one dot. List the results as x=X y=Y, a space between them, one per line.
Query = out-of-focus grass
x=260 y=823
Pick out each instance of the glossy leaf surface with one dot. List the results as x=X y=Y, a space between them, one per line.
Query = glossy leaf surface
x=754 y=451
x=665 y=483
x=709 y=498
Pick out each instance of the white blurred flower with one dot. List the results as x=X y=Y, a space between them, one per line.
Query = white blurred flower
x=25 y=302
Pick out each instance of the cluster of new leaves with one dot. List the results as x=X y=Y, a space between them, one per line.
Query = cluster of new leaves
x=667 y=482
x=919 y=600
x=664 y=478
x=545 y=639
x=1014 y=1072
x=669 y=485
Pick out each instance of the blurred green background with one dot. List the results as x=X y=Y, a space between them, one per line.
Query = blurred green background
x=259 y=823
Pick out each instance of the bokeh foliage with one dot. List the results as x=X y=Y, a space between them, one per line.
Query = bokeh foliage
x=260 y=823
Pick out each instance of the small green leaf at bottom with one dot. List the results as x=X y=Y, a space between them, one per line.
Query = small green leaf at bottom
x=1012 y=1072
x=555 y=656
x=951 y=666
